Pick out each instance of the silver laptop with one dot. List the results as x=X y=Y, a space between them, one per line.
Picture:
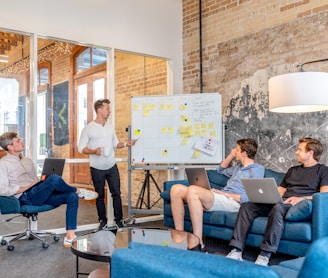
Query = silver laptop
x=198 y=176
x=263 y=191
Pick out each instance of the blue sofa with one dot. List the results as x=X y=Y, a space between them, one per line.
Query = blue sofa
x=141 y=260
x=305 y=223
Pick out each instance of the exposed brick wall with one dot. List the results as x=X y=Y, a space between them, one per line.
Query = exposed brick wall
x=135 y=76
x=241 y=37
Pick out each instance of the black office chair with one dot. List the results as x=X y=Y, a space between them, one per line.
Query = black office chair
x=11 y=205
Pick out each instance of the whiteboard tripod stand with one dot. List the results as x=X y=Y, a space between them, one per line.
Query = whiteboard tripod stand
x=146 y=186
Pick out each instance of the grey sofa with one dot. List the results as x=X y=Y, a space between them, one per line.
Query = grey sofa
x=305 y=223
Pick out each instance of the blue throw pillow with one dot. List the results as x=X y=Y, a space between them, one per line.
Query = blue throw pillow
x=300 y=212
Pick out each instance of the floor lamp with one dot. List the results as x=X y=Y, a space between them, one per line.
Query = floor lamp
x=299 y=92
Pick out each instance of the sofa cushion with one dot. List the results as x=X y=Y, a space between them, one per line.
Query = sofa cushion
x=295 y=231
x=302 y=211
x=278 y=176
x=316 y=260
x=210 y=265
x=167 y=188
x=216 y=179
x=216 y=218
x=166 y=195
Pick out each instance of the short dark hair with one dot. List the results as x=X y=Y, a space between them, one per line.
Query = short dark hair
x=100 y=102
x=312 y=145
x=249 y=146
x=7 y=139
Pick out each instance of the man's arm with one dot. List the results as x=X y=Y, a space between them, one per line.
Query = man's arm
x=281 y=190
x=97 y=151
x=294 y=200
x=24 y=188
x=226 y=162
x=324 y=188
x=236 y=197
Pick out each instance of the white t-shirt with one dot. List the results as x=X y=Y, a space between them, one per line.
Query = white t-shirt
x=95 y=136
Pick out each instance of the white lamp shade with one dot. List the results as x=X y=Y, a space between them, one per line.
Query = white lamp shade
x=298 y=92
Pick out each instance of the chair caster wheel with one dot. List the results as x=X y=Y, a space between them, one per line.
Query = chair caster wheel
x=56 y=238
x=45 y=245
x=3 y=242
x=10 y=248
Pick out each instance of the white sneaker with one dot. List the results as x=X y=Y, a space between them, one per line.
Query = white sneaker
x=235 y=255
x=68 y=242
x=87 y=194
x=262 y=260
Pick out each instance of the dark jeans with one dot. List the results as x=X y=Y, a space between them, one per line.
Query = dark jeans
x=112 y=177
x=54 y=191
x=273 y=232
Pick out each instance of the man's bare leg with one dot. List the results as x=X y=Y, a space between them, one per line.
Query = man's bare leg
x=178 y=198
x=198 y=198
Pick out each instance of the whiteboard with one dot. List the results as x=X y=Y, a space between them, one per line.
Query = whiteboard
x=174 y=129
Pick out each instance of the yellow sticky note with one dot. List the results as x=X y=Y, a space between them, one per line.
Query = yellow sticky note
x=165 y=243
x=184 y=142
x=183 y=107
x=137 y=132
x=197 y=126
x=197 y=153
x=204 y=132
x=163 y=129
x=185 y=119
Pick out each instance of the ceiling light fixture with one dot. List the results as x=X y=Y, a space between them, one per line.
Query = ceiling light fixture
x=299 y=92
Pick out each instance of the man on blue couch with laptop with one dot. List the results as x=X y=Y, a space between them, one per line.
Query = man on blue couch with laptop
x=299 y=184
x=228 y=199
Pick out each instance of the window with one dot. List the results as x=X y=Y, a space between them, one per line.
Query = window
x=89 y=58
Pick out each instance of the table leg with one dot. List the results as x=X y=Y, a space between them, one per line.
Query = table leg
x=77 y=269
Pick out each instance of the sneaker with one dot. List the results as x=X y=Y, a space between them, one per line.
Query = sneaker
x=262 y=260
x=68 y=242
x=102 y=224
x=199 y=248
x=120 y=224
x=235 y=255
x=112 y=229
x=87 y=194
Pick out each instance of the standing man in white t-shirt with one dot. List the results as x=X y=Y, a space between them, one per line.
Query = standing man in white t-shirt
x=98 y=140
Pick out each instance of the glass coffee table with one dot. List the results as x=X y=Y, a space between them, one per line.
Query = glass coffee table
x=100 y=245
x=169 y=238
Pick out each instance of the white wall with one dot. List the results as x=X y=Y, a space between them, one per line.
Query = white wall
x=151 y=27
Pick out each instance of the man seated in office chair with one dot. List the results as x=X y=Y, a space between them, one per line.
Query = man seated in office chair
x=18 y=177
